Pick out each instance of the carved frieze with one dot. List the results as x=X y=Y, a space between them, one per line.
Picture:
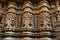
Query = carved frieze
x=29 y=18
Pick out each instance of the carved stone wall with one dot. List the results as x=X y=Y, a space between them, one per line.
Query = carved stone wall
x=30 y=19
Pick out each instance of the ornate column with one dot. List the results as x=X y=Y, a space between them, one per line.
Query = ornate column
x=10 y=19
x=27 y=18
x=45 y=24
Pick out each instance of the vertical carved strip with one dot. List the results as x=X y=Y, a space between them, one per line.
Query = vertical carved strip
x=1 y=17
x=11 y=15
x=45 y=25
x=27 y=16
x=53 y=14
x=57 y=18
x=44 y=15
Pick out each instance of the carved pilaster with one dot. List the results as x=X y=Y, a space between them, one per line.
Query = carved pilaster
x=10 y=18
x=27 y=18
x=44 y=15
x=1 y=18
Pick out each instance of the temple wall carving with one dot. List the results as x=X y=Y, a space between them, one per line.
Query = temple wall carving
x=30 y=19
